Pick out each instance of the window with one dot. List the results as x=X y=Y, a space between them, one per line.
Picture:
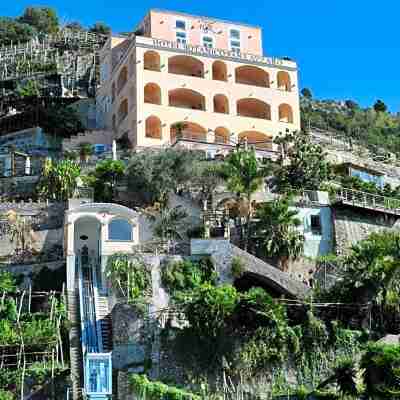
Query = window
x=234 y=36
x=181 y=37
x=316 y=224
x=180 y=24
x=208 y=42
x=119 y=230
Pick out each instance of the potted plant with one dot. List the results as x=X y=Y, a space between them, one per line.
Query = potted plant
x=85 y=151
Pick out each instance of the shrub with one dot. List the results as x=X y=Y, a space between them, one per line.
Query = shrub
x=237 y=267
x=187 y=275
x=146 y=389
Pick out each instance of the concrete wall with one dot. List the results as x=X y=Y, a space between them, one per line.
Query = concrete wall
x=352 y=225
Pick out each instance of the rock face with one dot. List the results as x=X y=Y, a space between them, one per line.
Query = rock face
x=128 y=333
x=352 y=225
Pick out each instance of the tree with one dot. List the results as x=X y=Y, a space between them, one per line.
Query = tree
x=380 y=106
x=44 y=19
x=371 y=271
x=168 y=224
x=103 y=179
x=75 y=26
x=61 y=121
x=14 y=31
x=352 y=105
x=306 y=167
x=275 y=231
x=28 y=89
x=244 y=175
x=101 y=28
x=208 y=177
x=59 y=180
x=306 y=93
x=153 y=175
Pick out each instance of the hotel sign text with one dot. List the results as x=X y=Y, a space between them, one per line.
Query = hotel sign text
x=205 y=51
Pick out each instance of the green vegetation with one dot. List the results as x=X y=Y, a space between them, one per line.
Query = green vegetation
x=237 y=267
x=370 y=272
x=382 y=366
x=244 y=175
x=145 y=389
x=130 y=277
x=275 y=231
x=374 y=127
x=306 y=167
x=186 y=275
x=104 y=179
x=153 y=175
x=59 y=180
x=168 y=224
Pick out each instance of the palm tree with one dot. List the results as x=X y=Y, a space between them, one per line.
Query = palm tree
x=345 y=377
x=275 y=231
x=167 y=225
x=244 y=176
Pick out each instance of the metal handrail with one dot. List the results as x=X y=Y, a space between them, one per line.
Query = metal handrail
x=96 y=307
x=366 y=199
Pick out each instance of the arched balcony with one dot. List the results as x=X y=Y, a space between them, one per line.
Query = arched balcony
x=285 y=113
x=186 y=98
x=188 y=130
x=251 y=75
x=122 y=110
x=151 y=61
x=153 y=127
x=122 y=79
x=186 y=65
x=221 y=104
x=284 y=82
x=113 y=92
x=219 y=71
x=152 y=94
x=253 y=108
x=221 y=135
x=257 y=139
x=132 y=64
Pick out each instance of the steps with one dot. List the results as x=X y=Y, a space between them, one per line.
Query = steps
x=75 y=345
x=104 y=317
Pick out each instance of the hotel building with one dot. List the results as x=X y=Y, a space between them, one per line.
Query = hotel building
x=183 y=78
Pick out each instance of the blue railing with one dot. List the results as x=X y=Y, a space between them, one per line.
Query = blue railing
x=96 y=364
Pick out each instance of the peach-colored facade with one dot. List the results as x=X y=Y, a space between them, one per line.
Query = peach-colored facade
x=197 y=78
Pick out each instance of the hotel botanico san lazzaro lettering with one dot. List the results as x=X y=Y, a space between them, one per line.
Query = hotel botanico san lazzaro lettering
x=200 y=50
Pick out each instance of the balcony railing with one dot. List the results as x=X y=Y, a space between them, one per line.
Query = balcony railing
x=368 y=200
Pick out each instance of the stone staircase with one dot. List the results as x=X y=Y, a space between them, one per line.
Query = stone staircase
x=75 y=345
x=97 y=136
x=103 y=315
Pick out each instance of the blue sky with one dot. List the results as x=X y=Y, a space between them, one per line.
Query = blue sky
x=344 y=48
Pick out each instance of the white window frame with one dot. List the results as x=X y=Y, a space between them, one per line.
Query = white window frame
x=234 y=39
x=181 y=20
x=210 y=37
x=181 y=30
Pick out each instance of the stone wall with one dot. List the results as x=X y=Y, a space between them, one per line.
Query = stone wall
x=352 y=225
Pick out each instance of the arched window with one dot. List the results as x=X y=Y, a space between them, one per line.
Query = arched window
x=153 y=127
x=186 y=98
x=285 y=113
x=256 y=139
x=122 y=110
x=152 y=94
x=120 y=230
x=253 y=108
x=151 y=61
x=284 y=81
x=187 y=130
x=122 y=79
x=221 y=135
x=219 y=71
x=221 y=104
x=250 y=75
x=186 y=65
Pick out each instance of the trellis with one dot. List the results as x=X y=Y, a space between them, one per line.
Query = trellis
x=71 y=54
